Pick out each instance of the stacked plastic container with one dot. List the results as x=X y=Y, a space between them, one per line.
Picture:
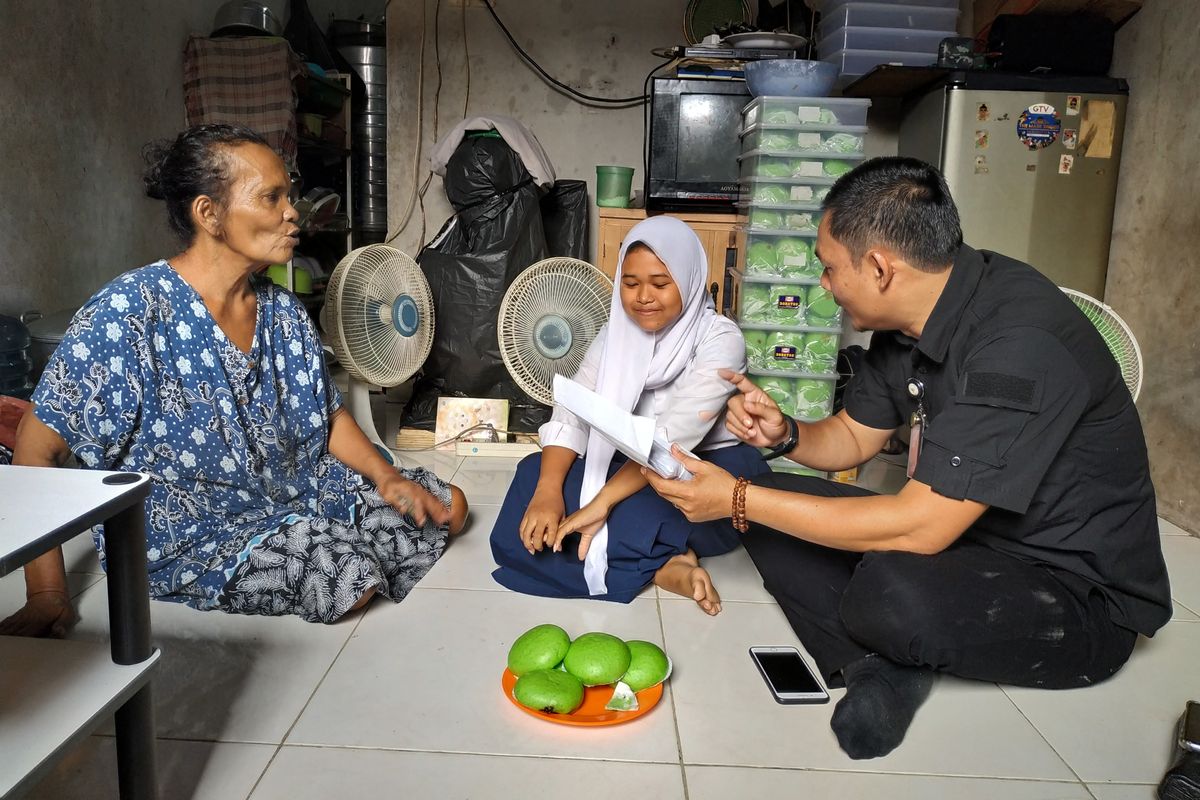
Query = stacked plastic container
x=793 y=150
x=858 y=36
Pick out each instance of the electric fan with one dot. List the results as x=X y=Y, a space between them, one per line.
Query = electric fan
x=379 y=317
x=549 y=317
x=1117 y=336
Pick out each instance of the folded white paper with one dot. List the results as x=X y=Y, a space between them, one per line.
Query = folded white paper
x=632 y=435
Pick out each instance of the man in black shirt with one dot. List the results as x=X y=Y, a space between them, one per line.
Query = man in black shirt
x=1024 y=549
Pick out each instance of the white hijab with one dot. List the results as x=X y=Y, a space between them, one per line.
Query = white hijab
x=634 y=361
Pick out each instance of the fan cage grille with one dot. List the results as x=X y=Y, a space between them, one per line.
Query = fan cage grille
x=572 y=289
x=364 y=286
x=1117 y=335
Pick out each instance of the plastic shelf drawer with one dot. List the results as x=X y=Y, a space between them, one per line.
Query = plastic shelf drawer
x=780 y=192
x=772 y=255
x=893 y=39
x=912 y=16
x=806 y=399
x=798 y=140
x=772 y=164
x=860 y=62
x=806 y=111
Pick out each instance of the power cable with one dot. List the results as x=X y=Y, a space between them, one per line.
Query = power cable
x=572 y=92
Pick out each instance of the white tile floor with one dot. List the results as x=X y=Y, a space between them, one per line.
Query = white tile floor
x=405 y=700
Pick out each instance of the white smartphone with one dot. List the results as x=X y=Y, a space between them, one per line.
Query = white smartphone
x=788 y=675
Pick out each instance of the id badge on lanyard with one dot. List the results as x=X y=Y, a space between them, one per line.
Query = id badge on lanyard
x=916 y=424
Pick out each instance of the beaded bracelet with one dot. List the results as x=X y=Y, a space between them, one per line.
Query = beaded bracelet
x=740 y=523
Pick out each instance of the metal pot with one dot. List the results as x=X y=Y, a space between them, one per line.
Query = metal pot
x=353 y=32
x=245 y=18
x=362 y=54
x=45 y=334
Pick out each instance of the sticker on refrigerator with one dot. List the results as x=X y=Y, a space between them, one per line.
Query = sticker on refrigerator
x=981 y=165
x=982 y=113
x=981 y=140
x=1070 y=138
x=1073 y=101
x=1038 y=126
x=1064 y=164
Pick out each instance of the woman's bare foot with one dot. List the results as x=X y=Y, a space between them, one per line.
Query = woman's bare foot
x=683 y=575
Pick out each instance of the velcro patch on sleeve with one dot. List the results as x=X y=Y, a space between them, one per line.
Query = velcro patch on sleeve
x=1005 y=390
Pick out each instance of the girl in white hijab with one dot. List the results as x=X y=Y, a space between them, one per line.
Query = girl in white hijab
x=658 y=356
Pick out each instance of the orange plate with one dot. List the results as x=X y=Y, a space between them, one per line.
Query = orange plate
x=592 y=713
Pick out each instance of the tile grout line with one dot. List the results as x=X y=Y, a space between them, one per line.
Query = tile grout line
x=361 y=616
x=662 y=630
x=1041 y=735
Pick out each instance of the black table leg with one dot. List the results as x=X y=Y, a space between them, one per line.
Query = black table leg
x=129 y=618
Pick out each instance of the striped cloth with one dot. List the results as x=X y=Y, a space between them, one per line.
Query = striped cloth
x=248 y=81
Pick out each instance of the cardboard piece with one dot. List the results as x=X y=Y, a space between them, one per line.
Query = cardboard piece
x=987 y=10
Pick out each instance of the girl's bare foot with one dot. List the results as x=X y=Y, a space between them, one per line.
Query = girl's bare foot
x=683 y=575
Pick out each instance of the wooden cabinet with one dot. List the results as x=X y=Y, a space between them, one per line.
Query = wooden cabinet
x=717 y=232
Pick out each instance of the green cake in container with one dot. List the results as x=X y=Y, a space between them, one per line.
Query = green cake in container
x=822 y=310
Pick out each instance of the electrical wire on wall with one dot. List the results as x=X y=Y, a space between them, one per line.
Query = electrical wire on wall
x=417 y=194
x=574 y=94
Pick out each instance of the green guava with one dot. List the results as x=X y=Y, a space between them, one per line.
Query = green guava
x=540 y=647
x=550 y=691
x=648 y=665
x=597 y=658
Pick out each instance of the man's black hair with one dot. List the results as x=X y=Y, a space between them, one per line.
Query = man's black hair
x=897 y=202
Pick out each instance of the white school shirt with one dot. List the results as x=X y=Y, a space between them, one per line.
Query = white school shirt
x=691 y=408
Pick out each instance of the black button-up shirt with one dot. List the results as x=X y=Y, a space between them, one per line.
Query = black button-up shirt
x=1027 y=413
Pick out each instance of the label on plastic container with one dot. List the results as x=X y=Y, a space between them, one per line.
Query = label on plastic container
x=811 y=169
x=809 y=113
x=795 y=261
x=785 y=352
x=801 y=194
x=788 y=301
x=808 y=141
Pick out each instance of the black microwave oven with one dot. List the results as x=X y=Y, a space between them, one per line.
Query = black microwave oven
x=693 y=148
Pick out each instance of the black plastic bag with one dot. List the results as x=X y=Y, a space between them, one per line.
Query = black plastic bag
x=496 y=234
x=565 y=213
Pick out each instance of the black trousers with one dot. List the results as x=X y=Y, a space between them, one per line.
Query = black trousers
x=969 y=610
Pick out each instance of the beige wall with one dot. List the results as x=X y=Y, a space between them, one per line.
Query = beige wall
x=86 y=85
x=602 y=48
x=1154 y=267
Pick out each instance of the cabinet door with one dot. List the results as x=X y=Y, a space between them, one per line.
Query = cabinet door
x=612 y=233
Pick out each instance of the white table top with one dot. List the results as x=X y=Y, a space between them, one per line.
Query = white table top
x=41 y=507
x=55 y=692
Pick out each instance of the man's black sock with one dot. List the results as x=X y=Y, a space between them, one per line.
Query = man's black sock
x=881 y=699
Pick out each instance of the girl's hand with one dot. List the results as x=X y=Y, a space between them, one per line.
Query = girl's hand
x=542 y=516
x=411 y=499
x=708 y=495
x=587 y=521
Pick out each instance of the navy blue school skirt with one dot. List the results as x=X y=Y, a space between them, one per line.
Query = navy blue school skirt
x=644 y=531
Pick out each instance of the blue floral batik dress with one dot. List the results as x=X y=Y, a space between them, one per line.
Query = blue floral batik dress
x=248 y=511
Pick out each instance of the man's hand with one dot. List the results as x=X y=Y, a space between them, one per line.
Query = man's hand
x=587 y=521
x=411 y=499
x=542 y=516
x=753 y=416
x=46 y=614
x=707 y=495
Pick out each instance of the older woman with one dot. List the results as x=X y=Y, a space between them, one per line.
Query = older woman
x=267 y=498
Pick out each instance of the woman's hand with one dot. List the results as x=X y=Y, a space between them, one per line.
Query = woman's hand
x=587 y=521
x=707 y=496
x=753 y=416
x=45 y=614
x=542 y=516
x=411 y=499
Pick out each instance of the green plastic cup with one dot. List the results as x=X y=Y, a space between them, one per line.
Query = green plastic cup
x=613 y=185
